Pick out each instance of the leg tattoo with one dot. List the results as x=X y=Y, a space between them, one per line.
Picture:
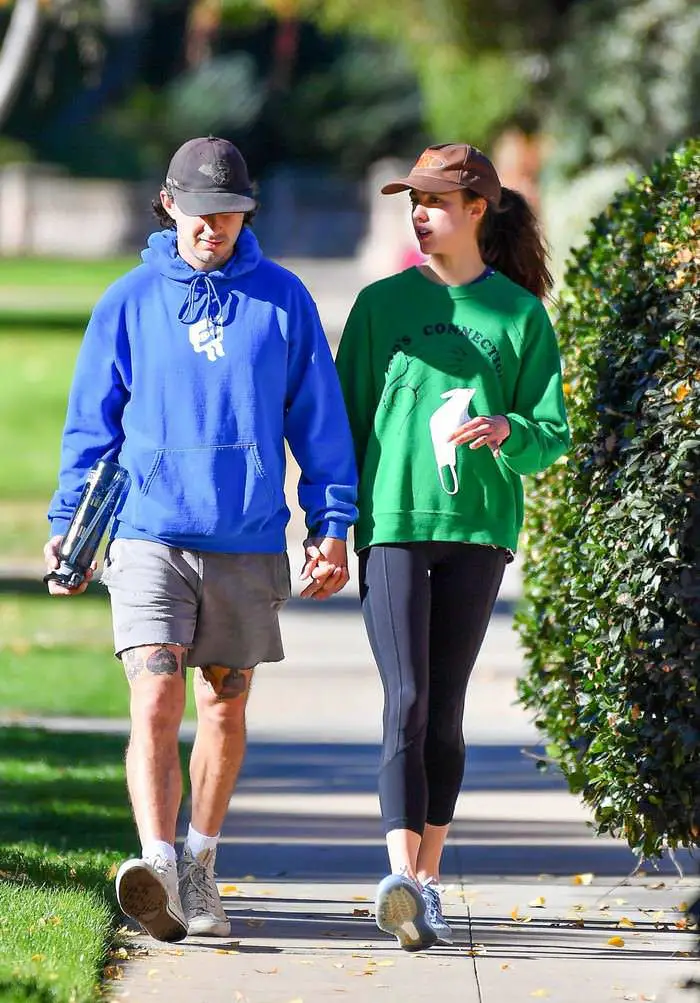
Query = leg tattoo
x=226 y=683
x=161 y=662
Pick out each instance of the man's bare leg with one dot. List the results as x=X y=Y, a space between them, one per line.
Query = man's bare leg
x=156 y=675
x=147 y=886
x=221 y=696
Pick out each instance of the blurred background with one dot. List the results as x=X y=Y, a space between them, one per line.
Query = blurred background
x=325 y=98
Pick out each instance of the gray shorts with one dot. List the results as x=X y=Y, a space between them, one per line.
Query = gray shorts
x=223 y=607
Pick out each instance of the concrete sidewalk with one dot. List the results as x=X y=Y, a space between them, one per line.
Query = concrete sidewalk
x=536 y=901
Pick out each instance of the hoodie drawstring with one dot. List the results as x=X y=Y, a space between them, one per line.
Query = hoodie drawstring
x=193 y=307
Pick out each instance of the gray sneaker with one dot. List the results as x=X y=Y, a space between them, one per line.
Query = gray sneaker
x=401 y=910
x=147 y=892
x=433 y=911
x=200 y=897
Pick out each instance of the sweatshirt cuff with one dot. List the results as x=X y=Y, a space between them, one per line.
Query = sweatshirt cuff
x=59 y=525
x=337 y=530
x=516 y=442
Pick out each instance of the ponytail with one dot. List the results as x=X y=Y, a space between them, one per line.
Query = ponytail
x=510 y=241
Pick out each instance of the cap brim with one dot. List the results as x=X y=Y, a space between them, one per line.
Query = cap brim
x=207 y=203
x=421 y=183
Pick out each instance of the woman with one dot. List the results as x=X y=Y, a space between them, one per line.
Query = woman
x=452 y=380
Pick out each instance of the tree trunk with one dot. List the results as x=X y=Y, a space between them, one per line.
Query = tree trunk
x=17 y=48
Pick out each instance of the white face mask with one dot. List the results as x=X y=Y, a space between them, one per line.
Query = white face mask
x=443 y=422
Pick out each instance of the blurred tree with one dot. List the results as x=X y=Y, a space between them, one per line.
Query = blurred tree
x=625 y=84
x=17 y=46
x=476 y=65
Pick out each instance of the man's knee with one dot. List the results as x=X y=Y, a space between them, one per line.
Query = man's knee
x=156 y=675
x=222 y=694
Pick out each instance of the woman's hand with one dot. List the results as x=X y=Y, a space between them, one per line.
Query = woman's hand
x=483 y=431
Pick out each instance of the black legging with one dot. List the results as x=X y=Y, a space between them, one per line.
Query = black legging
x=426 y=608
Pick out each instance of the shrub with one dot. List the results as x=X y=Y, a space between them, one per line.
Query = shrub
x=611 y=626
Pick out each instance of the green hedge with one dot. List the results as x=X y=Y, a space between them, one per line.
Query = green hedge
x=611 y=626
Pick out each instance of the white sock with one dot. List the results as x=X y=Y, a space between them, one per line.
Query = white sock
x=196 y=842
x=158 y=848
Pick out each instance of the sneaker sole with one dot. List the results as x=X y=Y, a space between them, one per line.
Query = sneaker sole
x=142 y=897
x=208 y=926
x=403 y=915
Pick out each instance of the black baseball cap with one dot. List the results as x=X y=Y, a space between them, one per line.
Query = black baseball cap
x=208 y=175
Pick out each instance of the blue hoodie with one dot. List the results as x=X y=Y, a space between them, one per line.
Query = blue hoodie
x=192 y=380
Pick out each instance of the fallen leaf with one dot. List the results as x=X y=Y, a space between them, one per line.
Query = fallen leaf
x=505 y=968
x=360 y=912
x=620 y=901
x=221 y=950
x=682 y=907
x=111 y=872
x=583 y=879
x=385 y=963
x=266 y=971
x=538 y=902
x=359 y=898
x=38 y=957
x=230 y=890
x=119 y=952
x=616 y=942
x=515 y=915
x=659 y=884
x=624 y=921
x=113 y=972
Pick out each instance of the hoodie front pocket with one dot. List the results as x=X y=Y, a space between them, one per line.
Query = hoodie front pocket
x=206 y=491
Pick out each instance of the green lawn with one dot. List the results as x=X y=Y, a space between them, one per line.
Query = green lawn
x=35 y=376
x=56 y=658
x=65 y=825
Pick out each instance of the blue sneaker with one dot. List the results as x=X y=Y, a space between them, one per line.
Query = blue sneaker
x=401 y=910
x=433 y=910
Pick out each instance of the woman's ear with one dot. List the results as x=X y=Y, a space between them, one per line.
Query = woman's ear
x=477 y=207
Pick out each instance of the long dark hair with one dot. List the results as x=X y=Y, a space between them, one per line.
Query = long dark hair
x=510 y=241
x=167 y=222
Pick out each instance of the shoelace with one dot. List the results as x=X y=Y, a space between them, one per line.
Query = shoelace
x=434 y=905
x=197 y=875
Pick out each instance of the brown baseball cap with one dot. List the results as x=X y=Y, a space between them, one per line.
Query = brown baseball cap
x=450 y=167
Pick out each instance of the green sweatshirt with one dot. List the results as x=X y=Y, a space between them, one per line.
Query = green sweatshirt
x=416 y=360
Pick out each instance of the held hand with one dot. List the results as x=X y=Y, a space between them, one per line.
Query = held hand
x=483 y=431
x=326 y=564
x=52 y=562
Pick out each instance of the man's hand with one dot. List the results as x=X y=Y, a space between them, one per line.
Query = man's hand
x=52 y=562
x=326 y=564
x=484 y=431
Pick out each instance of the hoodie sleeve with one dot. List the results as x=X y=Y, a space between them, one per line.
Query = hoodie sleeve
x=539 y=430
x=353 y=362
x=93 y=429
x=316 y=426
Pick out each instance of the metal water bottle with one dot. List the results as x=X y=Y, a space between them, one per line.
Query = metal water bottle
x=105 y=487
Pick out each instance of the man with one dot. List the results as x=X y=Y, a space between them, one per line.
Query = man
x=195 y=368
